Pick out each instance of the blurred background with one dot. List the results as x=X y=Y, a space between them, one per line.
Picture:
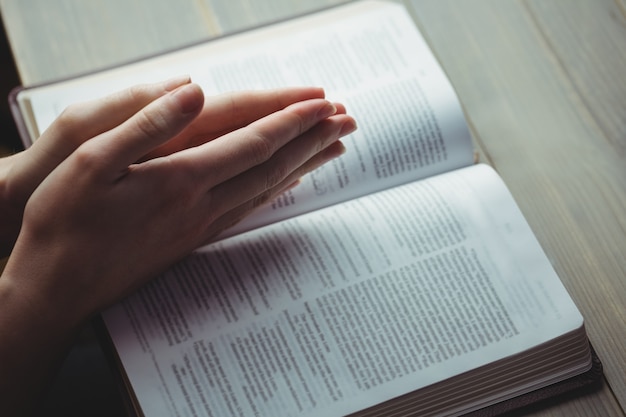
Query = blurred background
x=9 y=138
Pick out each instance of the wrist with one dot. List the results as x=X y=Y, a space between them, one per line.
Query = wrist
x=42 y=315
x=34 y=285
x=11 y=205
x=33 y=344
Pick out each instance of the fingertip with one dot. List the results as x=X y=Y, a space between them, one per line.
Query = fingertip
x=328 y=109
x=341 y=109
x=348 y=127
x=190 y=98
x=299 y=93
x=175 y=82
x=338 y=148
x=332 y=151
x=320 y=92
x=310 y=91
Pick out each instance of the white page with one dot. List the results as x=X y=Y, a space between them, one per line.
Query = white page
x=369 y=56
x=345 y=307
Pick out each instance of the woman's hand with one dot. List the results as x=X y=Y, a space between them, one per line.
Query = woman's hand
x=109 y=218
x=22 y=173
x=118 y=189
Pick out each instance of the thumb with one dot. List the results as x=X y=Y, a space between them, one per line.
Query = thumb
x=150 y=127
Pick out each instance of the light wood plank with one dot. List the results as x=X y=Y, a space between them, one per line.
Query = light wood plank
x=621 y=4
x=538 y=132
x=234 y=15
x=53 y=39
x=588 y=38
x=77 y=36
x=542 y=89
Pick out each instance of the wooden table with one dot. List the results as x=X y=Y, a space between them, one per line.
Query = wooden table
x=543 y=83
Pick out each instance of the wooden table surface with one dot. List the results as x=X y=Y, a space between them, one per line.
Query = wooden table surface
x=543 y=84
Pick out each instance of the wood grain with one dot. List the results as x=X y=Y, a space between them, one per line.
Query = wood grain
x=587 y=37
x=542 y=84
x=588 y=40
x=524 y=92
x=54 y=39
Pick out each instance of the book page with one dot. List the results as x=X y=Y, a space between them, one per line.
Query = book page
x=346 y=307
x=367 y=55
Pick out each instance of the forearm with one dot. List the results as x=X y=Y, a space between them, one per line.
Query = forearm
x=10 y=210
x=33 y=342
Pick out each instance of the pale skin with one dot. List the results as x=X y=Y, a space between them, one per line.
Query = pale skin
x=118 y=189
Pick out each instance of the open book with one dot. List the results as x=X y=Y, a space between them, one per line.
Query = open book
x=399 y=279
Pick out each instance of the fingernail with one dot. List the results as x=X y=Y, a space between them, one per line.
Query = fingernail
x=341 y=148
x=189 y=97
x=335 y=150
x=347 y=127
x=328 y=110
x=175 y=82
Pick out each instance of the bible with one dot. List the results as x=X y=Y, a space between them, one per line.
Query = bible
x=399 y=279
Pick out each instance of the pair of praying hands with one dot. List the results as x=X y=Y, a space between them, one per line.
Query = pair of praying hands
x=118 y=189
